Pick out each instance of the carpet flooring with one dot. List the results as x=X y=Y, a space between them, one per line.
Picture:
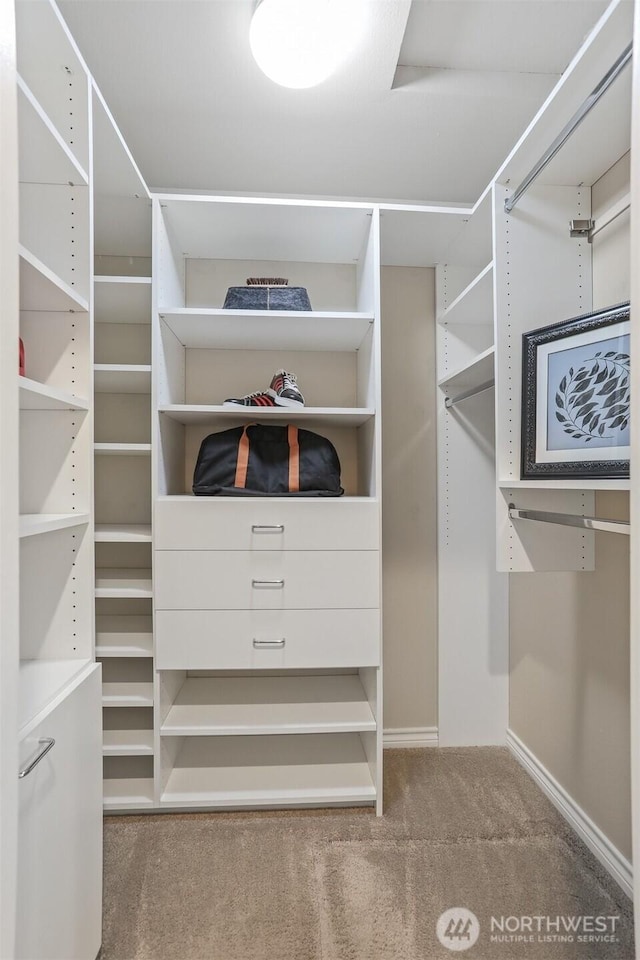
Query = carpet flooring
x=462 y=828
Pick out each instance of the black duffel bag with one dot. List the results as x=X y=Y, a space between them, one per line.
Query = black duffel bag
x=260 y=460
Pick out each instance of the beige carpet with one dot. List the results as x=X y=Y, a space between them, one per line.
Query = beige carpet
x=463 y=827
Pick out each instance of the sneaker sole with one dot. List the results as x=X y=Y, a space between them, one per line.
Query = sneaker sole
x=287 y=402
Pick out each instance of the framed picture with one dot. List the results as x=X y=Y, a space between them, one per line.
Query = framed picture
x=576 y=397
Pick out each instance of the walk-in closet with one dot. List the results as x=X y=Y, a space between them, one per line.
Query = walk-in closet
x=267 y=716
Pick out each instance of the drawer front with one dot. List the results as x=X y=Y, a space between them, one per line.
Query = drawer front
x=210 y=523
x=237 y=640
x=59 y=889
x=291 y=580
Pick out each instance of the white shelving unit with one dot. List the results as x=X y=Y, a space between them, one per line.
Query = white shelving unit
x=220 y=417
x=33 y=524
x=123 y=449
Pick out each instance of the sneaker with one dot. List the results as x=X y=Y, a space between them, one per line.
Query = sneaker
x=260 y=398
x=285 y=391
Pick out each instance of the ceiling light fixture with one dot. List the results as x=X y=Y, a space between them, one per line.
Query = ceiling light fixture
x=299 y=43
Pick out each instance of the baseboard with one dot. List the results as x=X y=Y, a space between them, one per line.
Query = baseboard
x=608 y=855
x=410 y=737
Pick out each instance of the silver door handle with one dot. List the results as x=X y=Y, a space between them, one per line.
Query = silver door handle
x=269 y=644
x=267 y=528
x=47 y=744
x=266 y=584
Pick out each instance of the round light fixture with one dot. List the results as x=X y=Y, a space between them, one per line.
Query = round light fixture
x=299 y=43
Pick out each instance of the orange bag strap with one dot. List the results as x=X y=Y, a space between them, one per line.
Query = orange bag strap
x=294 y=459
x=242 y=464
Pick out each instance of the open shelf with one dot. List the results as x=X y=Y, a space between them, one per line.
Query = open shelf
x=269 y=705
x=123 y=533
x=42 y=289
x=271 y=771
x=39 y=396
x=473 y=374
x=128 y=794
x=122 y=582
x=44 y=155
x=475 y=303
x=471 y=246
x=122 y=378
x=124 y=636
x=122 y=299
x=127 y=743
x=603 y=484
x=32 y=524
x=41 y=681
x=268 y=329
x=127 y=694
x=230 y=416
x=123 y=449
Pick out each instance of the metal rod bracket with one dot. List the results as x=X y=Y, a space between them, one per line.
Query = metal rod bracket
x=581 y=228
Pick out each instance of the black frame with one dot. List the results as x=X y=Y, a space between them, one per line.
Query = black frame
x=580 y=469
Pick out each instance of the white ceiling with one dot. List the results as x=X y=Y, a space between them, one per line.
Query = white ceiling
x=426 y=109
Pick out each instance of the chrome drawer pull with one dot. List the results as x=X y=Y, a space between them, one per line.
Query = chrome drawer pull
x=267 y=528
x=268 y=584
x=48 y=743
x=269 y=644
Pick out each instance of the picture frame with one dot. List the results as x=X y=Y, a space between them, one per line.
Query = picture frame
x=576 y=397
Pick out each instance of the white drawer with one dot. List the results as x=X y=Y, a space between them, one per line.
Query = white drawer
x=290 y=580
x=224 y=639
x=216 y=523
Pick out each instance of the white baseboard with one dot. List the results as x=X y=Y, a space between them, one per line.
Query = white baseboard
x=410 y=737
x=608 y=855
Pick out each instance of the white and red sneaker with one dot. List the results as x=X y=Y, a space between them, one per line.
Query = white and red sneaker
x=285 y=391
x=260 y=398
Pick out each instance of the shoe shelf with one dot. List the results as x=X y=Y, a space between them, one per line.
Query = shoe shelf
x=120 y=582
x=42 y=289
x=129 y=793
x=127 y=743
x=473 y=374
x=44 y=155
x=121 y=636
x=475 y=303
x=229 y=416
x=273 y=771
x=122 y=378
x=127 y=694
x=269 y=705
x=40 y=396
x=268 y=329
x=123 y=449
x=123 y=533
x=33 y=524
x=122 y=299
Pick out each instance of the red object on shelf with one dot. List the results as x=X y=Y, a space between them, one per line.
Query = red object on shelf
x=21 y=361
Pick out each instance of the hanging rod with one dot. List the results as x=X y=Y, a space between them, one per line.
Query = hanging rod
x=570 y=520
x=610 y=215
x=451 y=401
x=572 y=125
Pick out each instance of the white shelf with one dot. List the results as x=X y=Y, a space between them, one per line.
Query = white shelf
x=268 y=329
x=120 y=636
x=122 y=378
x=123 y=449
x=475 y=303
x=603 y=484
x=471 y=246
x=125 y=794
x=123 y=533
x=127 y=743
x=269 y=705
x=122 y=299
x=44 y=155
x=42 y=289
x=41 y=681
x=478 y=371
x=121 y=582
x=270 y=771
x=32 y=524
x=39 y=396
x=231 y=416
x=127 y=694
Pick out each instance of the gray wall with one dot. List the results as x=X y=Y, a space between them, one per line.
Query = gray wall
x=569 y=695
x=409 y=507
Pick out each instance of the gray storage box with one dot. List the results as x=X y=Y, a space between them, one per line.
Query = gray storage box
x=255 y=297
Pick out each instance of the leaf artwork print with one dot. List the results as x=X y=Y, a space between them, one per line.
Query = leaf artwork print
x=593 y=401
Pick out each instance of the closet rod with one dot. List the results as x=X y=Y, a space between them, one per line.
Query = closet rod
x=567 y=131
x=451 y=401
x=570 y=520
x=610 y=215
